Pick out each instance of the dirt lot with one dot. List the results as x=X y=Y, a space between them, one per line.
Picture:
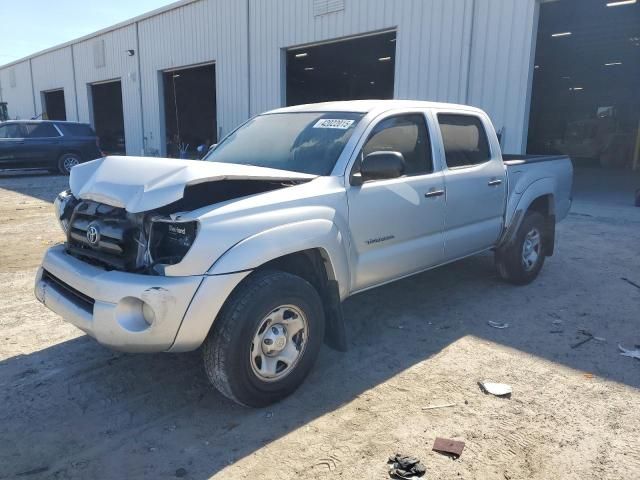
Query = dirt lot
x=73 y=409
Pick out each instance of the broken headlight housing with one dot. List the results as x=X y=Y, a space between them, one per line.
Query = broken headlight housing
x=63 y=206
x=169 y=241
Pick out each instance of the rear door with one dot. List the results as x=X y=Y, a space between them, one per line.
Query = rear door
x=11 y=145
x=475 y=183
x=41 y=144
x=396 y=224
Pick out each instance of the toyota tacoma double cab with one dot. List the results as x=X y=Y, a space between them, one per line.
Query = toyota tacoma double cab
x=249 y=253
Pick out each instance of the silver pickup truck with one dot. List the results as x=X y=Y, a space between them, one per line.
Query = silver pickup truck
x=249 y=253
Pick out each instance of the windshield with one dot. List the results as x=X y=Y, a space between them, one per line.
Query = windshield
x=308 y=142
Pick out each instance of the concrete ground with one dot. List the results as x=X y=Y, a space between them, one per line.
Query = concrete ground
x=73 y=409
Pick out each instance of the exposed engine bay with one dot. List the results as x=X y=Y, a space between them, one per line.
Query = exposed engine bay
x=145 y=242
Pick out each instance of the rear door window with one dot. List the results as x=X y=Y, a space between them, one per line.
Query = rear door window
x=41 y=130
x=465 y=140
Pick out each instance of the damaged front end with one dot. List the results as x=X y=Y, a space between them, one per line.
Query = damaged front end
x=144 y=242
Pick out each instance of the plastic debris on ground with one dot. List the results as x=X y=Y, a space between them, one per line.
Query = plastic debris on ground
x=449 y=447
x=629 y=353
x=497 y=389
x=498 y=324
x=433 y=407
x=405 y=467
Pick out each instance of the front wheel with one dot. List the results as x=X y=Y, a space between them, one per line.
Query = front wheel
x=520 y=261
x=266 y=339
x=67 y=161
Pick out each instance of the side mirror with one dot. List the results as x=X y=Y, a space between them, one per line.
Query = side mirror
x=380 y=166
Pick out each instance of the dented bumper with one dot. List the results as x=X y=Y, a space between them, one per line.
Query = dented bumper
x=132 y=312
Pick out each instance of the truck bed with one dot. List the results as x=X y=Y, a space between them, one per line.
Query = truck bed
x=519 y=159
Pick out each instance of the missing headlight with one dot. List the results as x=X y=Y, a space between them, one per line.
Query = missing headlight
x=170 y=241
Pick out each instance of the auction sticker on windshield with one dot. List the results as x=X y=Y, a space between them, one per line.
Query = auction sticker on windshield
x=339 y=123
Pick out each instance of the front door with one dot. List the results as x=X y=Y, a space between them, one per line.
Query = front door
x=397 y=225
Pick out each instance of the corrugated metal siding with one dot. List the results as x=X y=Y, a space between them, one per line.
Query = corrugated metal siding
x=433 y=57
x=118 y=65
x=53 y=71
x=466 y=51
x=201 y=32
x=501 y=63
x=19 y=98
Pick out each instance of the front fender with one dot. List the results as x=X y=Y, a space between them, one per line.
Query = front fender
x=276 y=242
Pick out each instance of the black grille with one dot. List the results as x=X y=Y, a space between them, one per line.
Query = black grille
x=114 y=235
x=80 y=299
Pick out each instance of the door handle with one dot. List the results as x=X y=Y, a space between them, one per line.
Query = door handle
x=494 y=182
x=434 y=193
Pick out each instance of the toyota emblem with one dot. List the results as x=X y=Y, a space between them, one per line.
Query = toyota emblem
x=93 y=235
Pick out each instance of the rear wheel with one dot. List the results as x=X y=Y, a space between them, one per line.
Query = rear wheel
x=67 y=161
x=266 y=339
x=520 y=261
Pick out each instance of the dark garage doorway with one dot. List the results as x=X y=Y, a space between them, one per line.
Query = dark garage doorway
x=358 y=68
x=190 y=110
x=586 y=83
x=53 y=105
x=108 y=118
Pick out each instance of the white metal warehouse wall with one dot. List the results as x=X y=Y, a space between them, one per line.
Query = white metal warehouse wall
x=465 y=51
x=434 y=59
x=202 y=32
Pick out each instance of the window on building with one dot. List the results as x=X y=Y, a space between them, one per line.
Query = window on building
x=465 y=140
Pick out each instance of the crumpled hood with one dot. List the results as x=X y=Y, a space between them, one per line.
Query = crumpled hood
x=140 y=184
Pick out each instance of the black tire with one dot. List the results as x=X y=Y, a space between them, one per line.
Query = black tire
x=227 y=349
x=67 y=161
x=510 y=258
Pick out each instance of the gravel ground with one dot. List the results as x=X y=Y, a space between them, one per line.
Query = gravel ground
x=73 y=409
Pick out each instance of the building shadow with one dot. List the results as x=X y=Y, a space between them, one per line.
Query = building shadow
x=39 y=184
x=78 y=410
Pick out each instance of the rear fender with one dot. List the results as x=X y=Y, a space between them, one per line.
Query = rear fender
x=544 y=187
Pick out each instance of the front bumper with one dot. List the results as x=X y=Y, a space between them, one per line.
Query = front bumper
x=132 y=312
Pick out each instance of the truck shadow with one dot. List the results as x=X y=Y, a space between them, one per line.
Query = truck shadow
x=77 y=410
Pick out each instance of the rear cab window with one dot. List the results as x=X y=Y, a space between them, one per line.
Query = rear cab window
x=464 y=139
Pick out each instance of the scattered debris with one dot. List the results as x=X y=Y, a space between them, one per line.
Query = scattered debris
x=600 y=339
x=589 y=337
x=630 y=282
x=405 y=467
x=557 y=322
x=556 y=331
x=268 y=415
x=433 y=407
x=588 y=375
x=181 y=472
x=497 y=389
x=448 y=447
x=629 y=353
x=35 y=471
x=498 y=325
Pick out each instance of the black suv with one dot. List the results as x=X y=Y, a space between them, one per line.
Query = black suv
x=57 y=146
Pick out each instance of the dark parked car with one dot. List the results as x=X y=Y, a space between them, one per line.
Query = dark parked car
x=54 y=145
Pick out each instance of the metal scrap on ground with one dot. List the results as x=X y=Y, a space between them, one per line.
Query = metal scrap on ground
x=629 y=353
x=448 y=447
x=498 y=325
x=433 y=407
x=497 y=389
